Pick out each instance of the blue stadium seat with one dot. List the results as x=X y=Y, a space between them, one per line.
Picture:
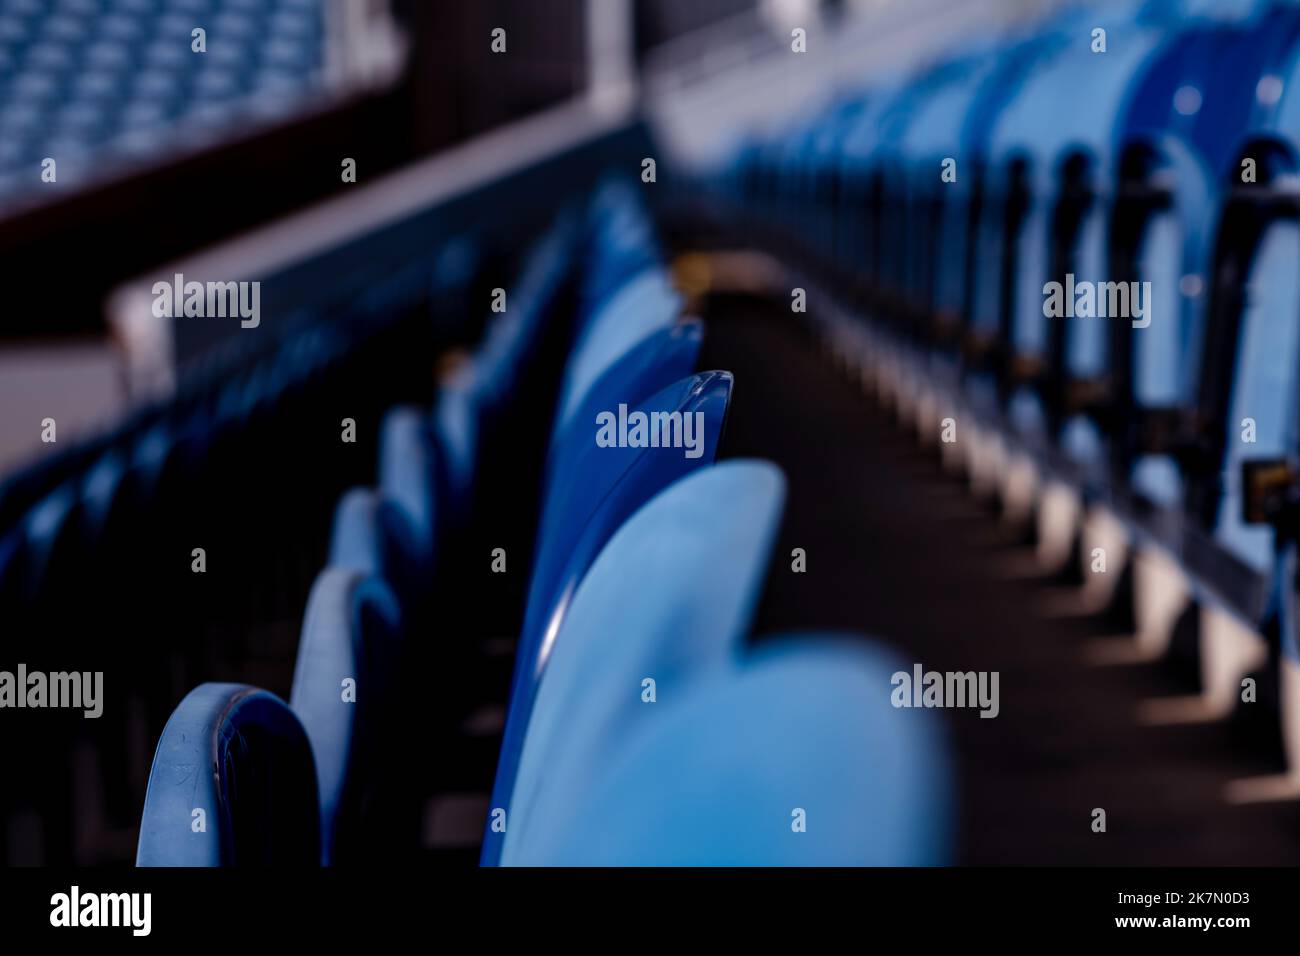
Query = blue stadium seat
x=407 y=482
x=663 y=356
x=349 y=657
x=513 y=336
x=355 y=541
x=669 y=598
x=794 y=757
x=620 y=245
x=391 y=531
x=645 y=304
x=232 y=784
x=604 y=494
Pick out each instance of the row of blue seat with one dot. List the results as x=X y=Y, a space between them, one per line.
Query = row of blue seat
x=1147 y=143
x=648 y=566
x=242 y=461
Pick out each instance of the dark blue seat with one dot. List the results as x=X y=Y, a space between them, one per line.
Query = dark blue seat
x=344 y=681
x=609 y=484
x=391 y=530
x=669 y=598
x=620 y=244
x=646 y=304
x=792 y=758
x=663 y=356
x=239 y=755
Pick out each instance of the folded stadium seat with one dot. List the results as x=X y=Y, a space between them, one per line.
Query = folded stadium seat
x=455 y=434
x=407 y=506
x=51 y=532
x=860 y=183
x=356 y=542
x=232 y=784
x=670 y=597
x=346 y=685
x=514 y=336
x=102 y=490
x=924 y=203
x=473 y=402
x=391 y=530
x=1062 y=182
x=666 y=355
x=47 y=557
x=1263 y=388
x=645 y=304
x=609 y=484
x=1184 y=175
x=793 y=757
x=23 y=487
x=620 y=244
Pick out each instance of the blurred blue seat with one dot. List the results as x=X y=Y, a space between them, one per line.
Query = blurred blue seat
x=344 y=679
x=645 y=304
x=669 y=598
x=52 y=534
x=794 y=757
x=407 y=481
x=608 y=486
x=232 y=784
x=663 y=356
x=620 y=244
x=355 y=541
x=391 y=530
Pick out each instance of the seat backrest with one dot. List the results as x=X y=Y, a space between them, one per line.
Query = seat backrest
x=646 y=304
x=348 y=659
x=52 y=533
x=1264 y=384
x=621 y=243
x=407 y=481
x=670 y=595
x=232 y=783
x=603 y=487
x=354 y=533
x=794 y=757
x=592 y=471
x=661 y=358
x=513 y=336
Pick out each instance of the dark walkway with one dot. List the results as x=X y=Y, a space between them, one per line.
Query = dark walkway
x=897 y=549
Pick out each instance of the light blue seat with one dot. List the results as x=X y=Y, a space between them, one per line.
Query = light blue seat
x=646 y=304
x=391 y=530
x=669 y=598
x=349 y=655
x=792 y=758
x=232 y=784
x=407 y=481
x=608 y=485
x=621 y=244
x=354 y=534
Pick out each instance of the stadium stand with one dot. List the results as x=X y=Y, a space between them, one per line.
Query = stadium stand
x=1061 y=258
